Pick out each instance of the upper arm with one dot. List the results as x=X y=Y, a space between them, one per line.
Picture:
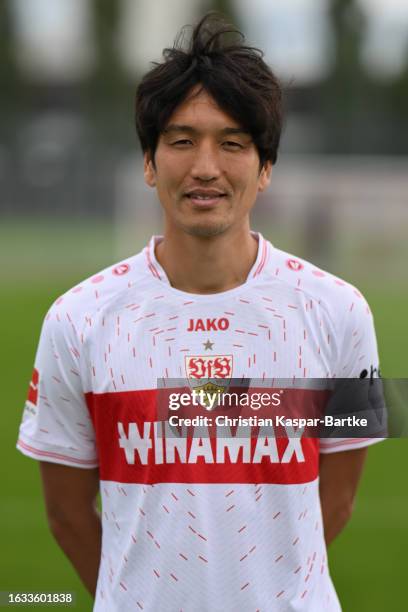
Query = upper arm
x=340 y=473
x=69 y=492
x=56 y=423
x=355 y=392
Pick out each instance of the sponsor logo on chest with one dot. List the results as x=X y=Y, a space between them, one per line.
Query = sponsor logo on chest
x=158 y=442
x=215 y=324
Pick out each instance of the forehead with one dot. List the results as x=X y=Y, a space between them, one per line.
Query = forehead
x=200 y=110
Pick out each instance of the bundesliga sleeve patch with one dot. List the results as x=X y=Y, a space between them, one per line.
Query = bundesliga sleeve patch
x=32 y=396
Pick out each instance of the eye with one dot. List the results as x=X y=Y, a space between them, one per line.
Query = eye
x=182 y=142
x=231 y=144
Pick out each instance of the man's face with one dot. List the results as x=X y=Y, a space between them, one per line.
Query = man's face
x=206 y=169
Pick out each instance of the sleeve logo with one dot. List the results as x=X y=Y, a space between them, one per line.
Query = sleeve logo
x=33 y=388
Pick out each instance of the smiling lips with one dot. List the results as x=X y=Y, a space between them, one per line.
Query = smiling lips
x=205 y=198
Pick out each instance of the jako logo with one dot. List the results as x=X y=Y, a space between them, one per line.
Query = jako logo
x=294 y=264
x=208 y=324
x=370 y=374
x=121 y=269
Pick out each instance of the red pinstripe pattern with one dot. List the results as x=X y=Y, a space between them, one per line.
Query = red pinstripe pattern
x=263 y=259
x=150 y=264
x=346 y=442
x=42 y=453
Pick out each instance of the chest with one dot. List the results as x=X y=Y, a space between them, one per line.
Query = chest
x=135 y=344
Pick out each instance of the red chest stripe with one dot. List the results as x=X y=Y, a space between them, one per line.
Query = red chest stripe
x=135 y=446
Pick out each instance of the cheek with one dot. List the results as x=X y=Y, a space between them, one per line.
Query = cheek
x=247 y=183
x=246 y=176
x=169 y=175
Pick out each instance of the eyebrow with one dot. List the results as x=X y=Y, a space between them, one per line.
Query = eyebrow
x=174 y=127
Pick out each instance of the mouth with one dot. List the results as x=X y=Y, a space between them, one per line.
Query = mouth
x=205 y=198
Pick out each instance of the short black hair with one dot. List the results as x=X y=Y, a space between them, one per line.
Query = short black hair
x=233 y=73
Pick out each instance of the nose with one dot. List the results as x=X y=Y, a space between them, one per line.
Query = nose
x=206 y=164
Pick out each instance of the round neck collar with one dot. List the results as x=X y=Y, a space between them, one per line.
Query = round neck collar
x=158 y=272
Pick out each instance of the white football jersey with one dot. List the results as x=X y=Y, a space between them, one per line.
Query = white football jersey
x=202 y=524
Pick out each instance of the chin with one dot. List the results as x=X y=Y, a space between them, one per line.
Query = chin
x=206 y=230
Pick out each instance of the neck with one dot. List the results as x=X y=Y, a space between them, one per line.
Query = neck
x=207 y=265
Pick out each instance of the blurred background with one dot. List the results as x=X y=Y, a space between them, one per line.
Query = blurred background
x=72 y=200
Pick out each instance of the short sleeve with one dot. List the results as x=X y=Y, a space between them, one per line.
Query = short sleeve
x=357 y=359
x=56 y=425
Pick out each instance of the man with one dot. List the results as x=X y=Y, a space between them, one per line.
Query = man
x=198 y=523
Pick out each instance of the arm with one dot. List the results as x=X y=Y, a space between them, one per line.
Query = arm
x=70 y=500
x=339 y=477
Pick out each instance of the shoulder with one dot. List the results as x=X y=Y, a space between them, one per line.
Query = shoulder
x=341 y=300
x=104 y=289
x=321 y=285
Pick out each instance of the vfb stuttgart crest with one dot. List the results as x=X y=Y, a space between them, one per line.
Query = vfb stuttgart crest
x=209 y=373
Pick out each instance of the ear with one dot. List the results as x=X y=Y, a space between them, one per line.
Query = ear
x=149 y=171
x=265 y=176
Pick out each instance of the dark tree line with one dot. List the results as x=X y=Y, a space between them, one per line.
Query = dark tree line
x=357 y=112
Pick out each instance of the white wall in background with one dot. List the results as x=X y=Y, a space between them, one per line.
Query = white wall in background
x=295 y=35
x=147 y=26
x=385 y=50
x=53 y=38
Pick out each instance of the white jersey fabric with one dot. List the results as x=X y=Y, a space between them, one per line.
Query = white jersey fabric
x=184 y=528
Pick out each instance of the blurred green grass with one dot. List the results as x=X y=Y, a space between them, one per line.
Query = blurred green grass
x=366 y=560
